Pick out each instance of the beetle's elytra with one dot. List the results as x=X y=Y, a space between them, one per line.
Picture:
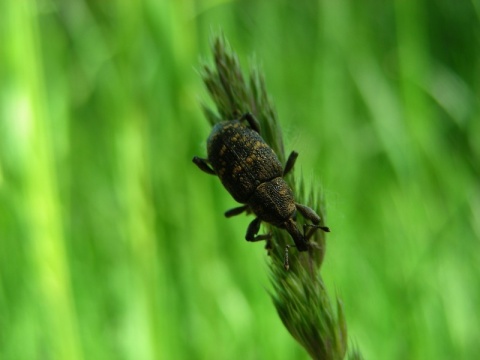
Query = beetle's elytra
x=251 y=172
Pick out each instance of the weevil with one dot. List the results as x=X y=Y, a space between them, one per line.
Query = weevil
x=252 y=173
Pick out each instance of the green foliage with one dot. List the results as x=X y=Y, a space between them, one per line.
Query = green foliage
x=113 y=245
x=234 y=96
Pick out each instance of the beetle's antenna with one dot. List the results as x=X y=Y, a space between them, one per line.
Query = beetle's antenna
x=286 y=264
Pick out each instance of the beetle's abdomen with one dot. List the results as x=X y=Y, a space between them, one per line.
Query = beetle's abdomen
x=241 y=159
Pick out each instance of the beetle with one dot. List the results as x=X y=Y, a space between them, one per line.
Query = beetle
x=252 y=173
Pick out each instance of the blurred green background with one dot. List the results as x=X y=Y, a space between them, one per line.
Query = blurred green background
x=113 y=245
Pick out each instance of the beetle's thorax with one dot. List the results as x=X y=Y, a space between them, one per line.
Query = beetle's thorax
x=273 y=202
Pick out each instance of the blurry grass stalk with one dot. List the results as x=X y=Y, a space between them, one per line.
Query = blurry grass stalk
x=299 y=294
x=44 y=220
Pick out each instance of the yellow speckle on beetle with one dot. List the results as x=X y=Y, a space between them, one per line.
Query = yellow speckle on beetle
x=237 y=169
x=257 y=145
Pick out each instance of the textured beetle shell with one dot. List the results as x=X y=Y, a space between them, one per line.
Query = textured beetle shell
x=273 y=202
x=241 y=159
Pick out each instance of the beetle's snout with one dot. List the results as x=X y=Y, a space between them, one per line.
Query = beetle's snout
x=297 y=236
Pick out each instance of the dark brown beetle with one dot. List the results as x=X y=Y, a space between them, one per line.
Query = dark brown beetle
x=251 y=172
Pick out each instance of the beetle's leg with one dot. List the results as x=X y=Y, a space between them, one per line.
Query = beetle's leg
x=203 y=165
x=290 y=162
x=253 y=230
x=309 y=230
x=308 y=213
x=251 y=121
x=236 y=211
